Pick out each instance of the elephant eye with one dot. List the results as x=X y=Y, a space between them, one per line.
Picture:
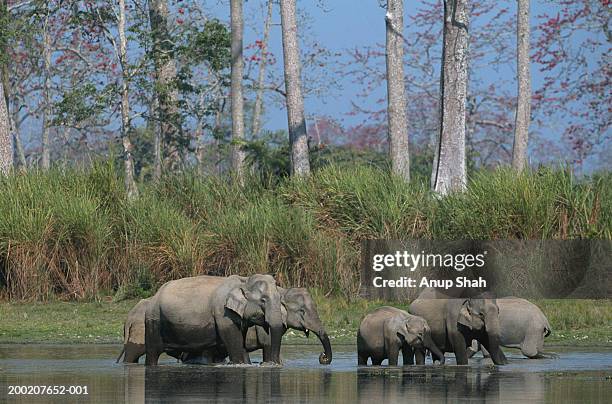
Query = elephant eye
x=263 y=300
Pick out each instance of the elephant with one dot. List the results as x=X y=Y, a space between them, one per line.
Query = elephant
x=523 y=326
x=191 y=315
x=455 y=322
x=301 y=314
x=134 y=333
x=386 y=330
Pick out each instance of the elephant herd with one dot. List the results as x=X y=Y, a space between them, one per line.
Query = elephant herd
x=206 y=319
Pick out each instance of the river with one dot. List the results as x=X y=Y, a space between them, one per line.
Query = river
x=577 y=375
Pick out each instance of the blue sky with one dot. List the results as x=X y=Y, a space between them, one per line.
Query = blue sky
x=339 y=25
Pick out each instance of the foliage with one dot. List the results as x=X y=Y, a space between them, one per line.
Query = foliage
x=72 y=233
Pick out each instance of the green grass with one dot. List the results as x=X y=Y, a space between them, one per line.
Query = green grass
x=574 y=322
x=72 y=234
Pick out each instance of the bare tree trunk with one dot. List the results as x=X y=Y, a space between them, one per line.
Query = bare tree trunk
x=153 y=126
x=5 y=117
x=165 y=76
x=6 y=146
x=523 y=107
x=256 y=127
x=45 y=161
x=128 y=162
x=449 y=170
x=238 y=154
x=298 y=138
x=396 y=91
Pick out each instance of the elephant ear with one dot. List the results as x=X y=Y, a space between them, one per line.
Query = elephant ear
x=465 y=317
x=284 y=314
x=402 y=329
x=236 y=300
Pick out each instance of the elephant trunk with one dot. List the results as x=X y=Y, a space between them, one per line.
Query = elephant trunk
x=326 y=356
x=430 y=344
x=277 y=329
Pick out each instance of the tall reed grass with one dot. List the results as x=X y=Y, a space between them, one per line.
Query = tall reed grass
x=73 y=235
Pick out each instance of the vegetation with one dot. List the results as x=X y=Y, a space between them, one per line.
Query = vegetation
x=73 y=235
x=574 y=322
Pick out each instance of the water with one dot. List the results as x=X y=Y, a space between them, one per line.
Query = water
x=580 y=376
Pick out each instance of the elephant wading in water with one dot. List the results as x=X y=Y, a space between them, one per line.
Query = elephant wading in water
x=192 y=315
x=387 y=330
x=301 y=314
x=134 y=333
x=523 y=326
x=455 y=322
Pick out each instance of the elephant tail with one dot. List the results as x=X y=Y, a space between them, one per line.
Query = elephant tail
x=547 y=329
x=120 y=354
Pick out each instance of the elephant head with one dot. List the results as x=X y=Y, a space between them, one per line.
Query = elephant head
x=257 y=300
x=481 y=316
x=411 y=329
x=302 y=315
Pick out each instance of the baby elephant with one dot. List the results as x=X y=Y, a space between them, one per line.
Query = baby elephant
x=523 y=326
x=387 y=330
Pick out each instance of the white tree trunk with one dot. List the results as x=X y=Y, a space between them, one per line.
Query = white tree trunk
x=6 y=146
x=449 y=170
x=523 y=107
x=165 y=75
x=45 y=161
x=298 y=138
x=130 y=184
x=257 y=110
x=237 y=101
x=396 y=91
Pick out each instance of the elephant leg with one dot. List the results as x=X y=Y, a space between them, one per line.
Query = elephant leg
x=532 y=345
x=233 y=341
x=393 y=353
x=407 y=355
x=362 y=357
x=133 y=352
x=459 y=347
x=419 y=356
x=153 y=342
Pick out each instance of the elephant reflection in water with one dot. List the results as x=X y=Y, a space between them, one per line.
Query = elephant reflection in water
x=232 y=384
x=451 y=384
x=176 y=384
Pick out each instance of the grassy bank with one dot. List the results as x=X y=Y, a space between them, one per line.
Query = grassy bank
x=73 y=235
x=574 y=322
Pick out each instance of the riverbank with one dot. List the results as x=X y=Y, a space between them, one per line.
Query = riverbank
x=574 y=322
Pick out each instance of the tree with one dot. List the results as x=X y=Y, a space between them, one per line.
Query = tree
x=449 y=169
x=6 y=150
x=6 y=146
x=523 y=105
x=45 y=161
x=237 y=100
x=396 y=91
x=263 y=45
x=298 y=138
x=166 y=82
x=128 y=163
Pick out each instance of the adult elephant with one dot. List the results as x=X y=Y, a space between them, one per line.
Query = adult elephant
x=523 y=326
x=455 y=322
x=191 y=315
x=300 y=313
x=387 y=330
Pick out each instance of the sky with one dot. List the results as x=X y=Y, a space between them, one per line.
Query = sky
x=340 y=25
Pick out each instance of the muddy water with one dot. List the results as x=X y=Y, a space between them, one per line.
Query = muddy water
x=579 y=376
